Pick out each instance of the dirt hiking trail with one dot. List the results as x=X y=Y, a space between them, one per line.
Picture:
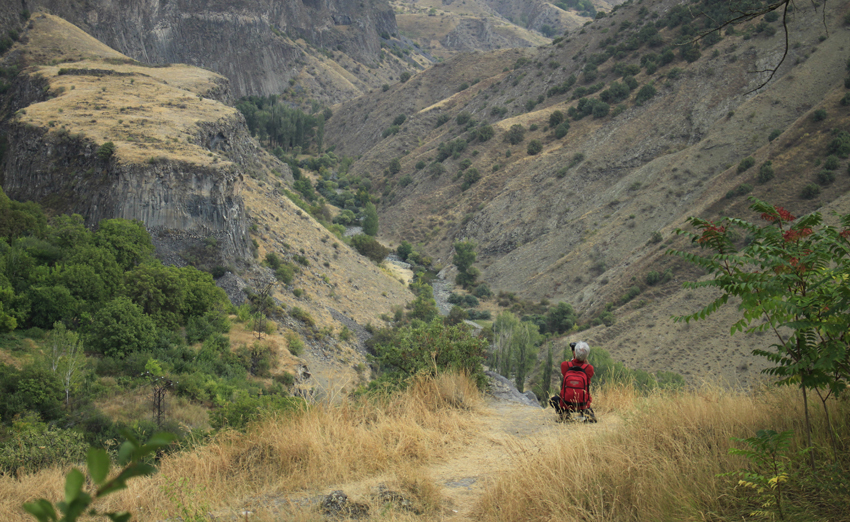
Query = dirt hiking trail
x=509 y=430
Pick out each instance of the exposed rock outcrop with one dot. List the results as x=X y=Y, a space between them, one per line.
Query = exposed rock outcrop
x=249 y=41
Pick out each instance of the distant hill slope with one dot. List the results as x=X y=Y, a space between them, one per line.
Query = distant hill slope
x=590 y=214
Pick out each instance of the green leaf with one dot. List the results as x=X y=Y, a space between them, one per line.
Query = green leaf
x=119 y=517
x=73 y=485
x=98 y=462
x=125 y=452
x=42 y=510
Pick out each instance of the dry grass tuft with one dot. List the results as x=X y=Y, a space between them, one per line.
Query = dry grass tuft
x=659 y=464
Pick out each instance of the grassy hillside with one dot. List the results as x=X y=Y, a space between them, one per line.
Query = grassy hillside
x=585 y=217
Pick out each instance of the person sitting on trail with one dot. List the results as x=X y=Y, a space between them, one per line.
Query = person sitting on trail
x=575 y=386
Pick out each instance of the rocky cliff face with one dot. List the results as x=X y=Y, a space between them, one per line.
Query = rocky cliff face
x=182 y=203
x=248 y=41
x=179 y=157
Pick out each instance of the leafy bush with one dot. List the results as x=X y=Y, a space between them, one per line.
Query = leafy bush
x=562 y=129
x=740 y=190
x=419 y=165
x=395 y=166
x=441 y=119
x=516 y=134
x=631 y=293
x=390 y=131
x=534 y=147
x=840 y=144
x=405 y=180
x=436 y=169
x=556 y=118
x=810 y=191
x=414 y=350
x=831 y=163
x=819 y=115
x=294 y=343
x=404 y=76
x=600 y=110
x=654 y=278
x=645 y=93
x=463 y=118
x=106 y=150
x=765 y=172
x=469 y=178
x=121 y=328
x=825 y=177
x=775 y=133
x=369 y=247
x=484 y=132
x=31 y=450
x=245 y=409
x=482 y=290
x=746 y=163
x=303 y=316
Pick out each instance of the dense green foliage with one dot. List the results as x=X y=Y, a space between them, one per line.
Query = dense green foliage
x=274 y=122
x=791 y=278
x=426 y=348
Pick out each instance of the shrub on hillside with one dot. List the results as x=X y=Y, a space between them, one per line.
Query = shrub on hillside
x=400 y=119
x=746 y=163
x=825 y=177
x=775 y=133
x=765 y=172
x=369 y=247
x=516 y=134
x=436 y=169
x=831 y=163
x=740 y=190
x=645 y=93
x=562 y=129
x=556 y=118
x=819 y=115
x=441 y=119
x=429 y=348
x=31 y=450
x=810 y=191
x=246 y=409
x=534 y=147
x=840 y=144
x=463 y=118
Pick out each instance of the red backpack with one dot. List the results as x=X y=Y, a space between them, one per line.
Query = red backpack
x=575 y=390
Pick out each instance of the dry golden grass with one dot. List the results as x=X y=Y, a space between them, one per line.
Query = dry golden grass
x=659 y=464
x=147 y=112
x=321 y=445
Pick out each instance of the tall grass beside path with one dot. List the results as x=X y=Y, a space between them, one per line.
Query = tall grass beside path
x=662 y=462
x=322 y=445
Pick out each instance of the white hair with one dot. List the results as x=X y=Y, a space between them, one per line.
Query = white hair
x=582 y=351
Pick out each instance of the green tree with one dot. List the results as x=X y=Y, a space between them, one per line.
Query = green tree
x=128 y=241
x=404 y=249
x=158 y=291
x=121 y=328
x=524 y=340
x=370 y=219
x=560 y=318
x=790 y=277
x=463 y=258
x=65 y=357
x=515 y=134
x=369 y=247
x=501 y=358
x=424 y=307
x=430 y=348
